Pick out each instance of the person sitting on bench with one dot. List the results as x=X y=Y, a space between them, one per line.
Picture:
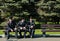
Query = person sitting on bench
x=22 y=27
x=31 y=25
x=10 y=27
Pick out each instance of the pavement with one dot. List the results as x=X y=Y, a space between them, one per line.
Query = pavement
x=36 y=38
x=31 y=39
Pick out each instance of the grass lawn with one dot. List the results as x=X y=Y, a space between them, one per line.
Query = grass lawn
x=1 y=32
x=37 y=31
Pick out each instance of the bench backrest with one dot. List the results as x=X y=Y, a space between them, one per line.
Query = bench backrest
x=50 y=26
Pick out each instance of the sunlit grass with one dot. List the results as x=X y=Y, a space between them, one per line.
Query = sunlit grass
x=37 y=31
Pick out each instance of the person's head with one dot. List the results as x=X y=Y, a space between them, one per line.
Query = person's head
x=10 y=20
x=22 y=19
x=30 y=18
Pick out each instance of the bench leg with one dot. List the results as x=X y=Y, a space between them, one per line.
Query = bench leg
x=44 y=34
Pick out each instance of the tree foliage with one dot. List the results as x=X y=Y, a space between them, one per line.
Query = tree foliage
x=27 y=8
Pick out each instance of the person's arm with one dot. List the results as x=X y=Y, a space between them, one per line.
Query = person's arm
x=16 y=27
x=19 y=26
x=24 y=25
x=9 y=27
x=33 y=24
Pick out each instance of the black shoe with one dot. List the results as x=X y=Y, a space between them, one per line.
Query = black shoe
x=20 y=36
x=7 y=37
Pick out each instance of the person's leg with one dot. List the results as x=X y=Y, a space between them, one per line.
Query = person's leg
x=25 y=33
x=8 y=32
x=20 y=33
x=5 y=32
x=8 y=35
x=32 y=33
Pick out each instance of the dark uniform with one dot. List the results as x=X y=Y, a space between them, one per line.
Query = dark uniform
x=31 y=27
x=22 y=27
x=11 y=26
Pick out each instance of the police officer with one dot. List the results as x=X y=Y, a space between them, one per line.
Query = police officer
x=11 y=27
x=31 y=25
x=22 y=27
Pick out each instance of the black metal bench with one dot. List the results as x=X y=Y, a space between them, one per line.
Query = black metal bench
x=50 y=28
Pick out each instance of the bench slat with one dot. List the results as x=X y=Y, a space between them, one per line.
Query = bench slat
x=51 y=27
x=50 y=30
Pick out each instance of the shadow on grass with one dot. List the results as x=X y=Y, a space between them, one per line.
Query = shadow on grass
x=35 y=36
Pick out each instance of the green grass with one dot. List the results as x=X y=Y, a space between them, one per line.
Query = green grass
x=37 y=31
x=1 y=32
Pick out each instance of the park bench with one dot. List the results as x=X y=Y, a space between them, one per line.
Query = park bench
x=14 y=34
x=50 y=28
